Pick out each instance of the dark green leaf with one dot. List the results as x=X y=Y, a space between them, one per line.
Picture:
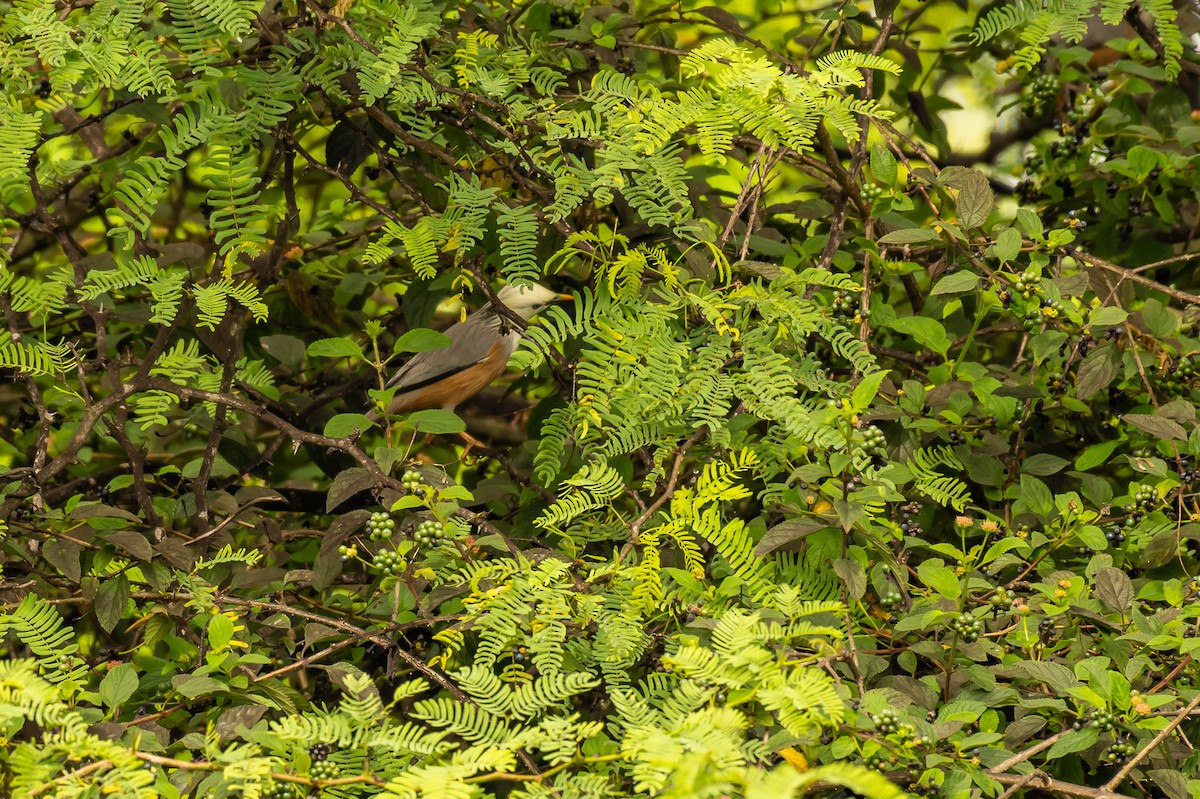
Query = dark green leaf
x=1157 y=426
x=1043 y=464
x=853 y=577
x=347 y=484
x=111 y=601
x=1114 y=589
x=1097 y=370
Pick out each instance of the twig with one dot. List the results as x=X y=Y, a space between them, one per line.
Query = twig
x=1044 y=782
x=1021 y=757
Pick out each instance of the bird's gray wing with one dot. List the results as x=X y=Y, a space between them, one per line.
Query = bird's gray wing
x=470 y=342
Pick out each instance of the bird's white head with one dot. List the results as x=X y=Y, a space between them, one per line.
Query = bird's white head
x=528 y=300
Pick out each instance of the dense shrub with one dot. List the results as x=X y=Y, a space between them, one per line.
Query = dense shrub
x=863 y=461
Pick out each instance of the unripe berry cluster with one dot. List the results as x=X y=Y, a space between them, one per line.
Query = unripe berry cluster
x=891 y=600
x=380 y=526
x=411 y=480
x=324 y=770
x=1027 y=284
x=561 y=17
x=348 y=551
x=429 y=533
x=873 y=439
x=967 y=626
x=1100 y=719
x=281 y=790
x=389 y=561
x=1003 y=598
x=845 y=305
x=1117 y=752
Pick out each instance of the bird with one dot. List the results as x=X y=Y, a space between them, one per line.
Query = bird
x=478 y=353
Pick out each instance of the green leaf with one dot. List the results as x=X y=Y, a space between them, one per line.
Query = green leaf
x=1097 y=370
x=436 y=421
x=1114 y=589
x=1074 y=741
x=1095 y=455
x=853 y=577
x=957 y=283
x=975 y=200
x=883 y=165
x=940 y=578
x=1157 y=426
x=926 y=332
x=344 y=425
x=1008 y=244
x=864 y=393
x=1037 y=496
x=335 y=348
x=1043 y=464
x=118 y=685
x=422 y=340
x=193 y=687
x=219 y=632
x=912 y=235
x=111 y=600
x=1107 y=316
x=1161 y=321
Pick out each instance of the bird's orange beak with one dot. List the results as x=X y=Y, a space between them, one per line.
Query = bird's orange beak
x=567 y=297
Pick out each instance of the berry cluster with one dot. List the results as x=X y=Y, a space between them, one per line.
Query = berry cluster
x=561 y=17
x=1073 y=221
x=845 y=305
x=881 y=760
x=874 y=440
x=871 y=192
x=380 y=526
x=319 y=752
x=891 y=600
x=348 y=552
x=908 y=519
x=967 y=627
x=1100 y=719
x=280 y=790
x=626 y=66
x=411 y=480
x=429 y=533
x=389 y=561
x=1040 y=93
x=1003 y=599
x=1027 y=284
x=1117 y=752
x=1187 y=471
x=324 y=770
x=887 y=722
x=1115 y=535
